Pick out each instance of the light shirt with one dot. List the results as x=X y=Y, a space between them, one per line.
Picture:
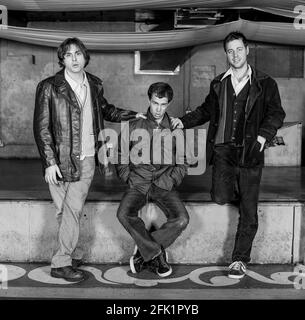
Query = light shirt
x=83 y=95
x=80 y=89
x=238 y=85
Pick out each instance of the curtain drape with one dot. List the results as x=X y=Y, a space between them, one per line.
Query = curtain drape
x=272 y=32
x=79 y=5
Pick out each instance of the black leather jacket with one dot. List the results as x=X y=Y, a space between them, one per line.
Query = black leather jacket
x=263 y=116
x=57 y=122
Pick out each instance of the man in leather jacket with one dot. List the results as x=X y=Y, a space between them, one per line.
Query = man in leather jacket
x=152 y=179
x=244 y=110
x=69 y=113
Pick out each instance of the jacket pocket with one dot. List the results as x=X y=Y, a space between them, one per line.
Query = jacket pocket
x=254 y=156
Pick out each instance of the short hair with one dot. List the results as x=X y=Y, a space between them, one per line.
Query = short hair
x=235 y=35
x=161 y=90
x=64 y=47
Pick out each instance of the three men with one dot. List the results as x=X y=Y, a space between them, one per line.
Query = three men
x=244 y=110
x=151 y=179
x=69 y=113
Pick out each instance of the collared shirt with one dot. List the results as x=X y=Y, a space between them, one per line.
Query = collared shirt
x=80 y=89
x=82 y=93
x=238 y=85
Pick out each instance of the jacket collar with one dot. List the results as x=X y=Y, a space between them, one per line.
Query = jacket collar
x=165 y=123
x=230 y=73
x=256 y=75
x=255 y=88
x=64 y=88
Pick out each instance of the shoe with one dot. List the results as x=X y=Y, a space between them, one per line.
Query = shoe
x=76 y=263
x=160 y=266
x=237 y=270
x=165 y=255
x=136 y=262
x=67 y=273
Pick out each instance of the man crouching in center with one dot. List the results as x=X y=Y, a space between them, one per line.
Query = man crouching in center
x=150 y=179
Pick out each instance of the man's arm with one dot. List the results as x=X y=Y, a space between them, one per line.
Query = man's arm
x=200 y=115
x=42 y=133
x=42 y=125
x=274 y=114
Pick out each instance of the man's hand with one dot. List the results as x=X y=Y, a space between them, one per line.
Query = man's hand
x=140 y=115
x=262 y=141
x=50 y=174
x=176 y=123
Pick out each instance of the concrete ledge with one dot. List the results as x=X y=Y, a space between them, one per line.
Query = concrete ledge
x=28 y=233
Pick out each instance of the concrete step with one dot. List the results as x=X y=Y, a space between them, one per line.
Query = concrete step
x=28 y=233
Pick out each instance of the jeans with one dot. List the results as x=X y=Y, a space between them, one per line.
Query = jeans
x=69 y=199
x=149 y=244
x=238 y=185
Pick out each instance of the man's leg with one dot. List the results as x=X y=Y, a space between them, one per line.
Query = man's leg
x=225 y=189
x=224 y=175
x=175 y=212
x=132 y=201
x=59 y=196
x=70 y=197
x=248 y=181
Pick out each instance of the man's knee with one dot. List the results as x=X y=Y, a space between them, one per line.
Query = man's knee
x=121 y=215
x=219 y=199
x=183 y=221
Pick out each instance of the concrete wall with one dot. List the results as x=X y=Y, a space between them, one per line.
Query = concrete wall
x=28 y=233
x=19 y=75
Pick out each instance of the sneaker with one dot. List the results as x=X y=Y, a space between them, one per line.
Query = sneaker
x=160 y=266
x=237 y=270
x=165 y=255
x=136 y=262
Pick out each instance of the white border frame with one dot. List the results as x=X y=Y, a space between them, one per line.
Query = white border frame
x=137 y=70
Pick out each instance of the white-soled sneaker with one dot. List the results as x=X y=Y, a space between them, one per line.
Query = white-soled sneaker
x=136 y=262
x=237 y=270
x=160 y=266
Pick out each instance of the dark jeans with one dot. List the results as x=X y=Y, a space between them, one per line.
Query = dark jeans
x=149 y=244
x=238 y=185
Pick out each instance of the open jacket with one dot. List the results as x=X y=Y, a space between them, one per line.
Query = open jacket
x=263 y=116
x=57 y=122
x=137 y=157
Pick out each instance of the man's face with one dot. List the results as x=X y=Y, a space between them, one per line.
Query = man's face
x=74 y=59
x=158 y=106
x=237 y=53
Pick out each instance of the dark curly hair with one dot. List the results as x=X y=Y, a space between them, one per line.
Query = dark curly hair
x=161 y=90
x=64 y=47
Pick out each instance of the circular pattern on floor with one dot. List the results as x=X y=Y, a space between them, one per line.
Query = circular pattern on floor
x=10 y=272
x=42 y=274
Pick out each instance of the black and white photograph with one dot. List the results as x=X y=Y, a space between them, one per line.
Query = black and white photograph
x=152 y=154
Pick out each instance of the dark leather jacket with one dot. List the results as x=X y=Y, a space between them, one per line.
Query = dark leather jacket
x=165 y=174
x=57 y=122
x=263 y=116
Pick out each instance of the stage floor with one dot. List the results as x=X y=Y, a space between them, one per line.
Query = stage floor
x=196 y=282
x=22 y=180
